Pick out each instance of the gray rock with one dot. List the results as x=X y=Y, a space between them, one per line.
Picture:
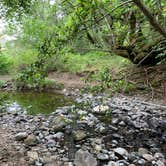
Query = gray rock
x=21 y=136
x=148 y=157
x=112 y=163
x=141 y=162
x=121 y=152
x=158 y=156
x=79 y=135
x=84 y=158
x=142 y=151
x=160 y=163
x=102 y=156
x=32 y=155
x=59 y=123
x=31 y=140
x=122 y=123
x=101 y=128
x=58 y=136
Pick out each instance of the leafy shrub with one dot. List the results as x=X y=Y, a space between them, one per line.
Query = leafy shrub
x=5 y=63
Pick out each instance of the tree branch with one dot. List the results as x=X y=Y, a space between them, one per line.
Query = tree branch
x=150 y=16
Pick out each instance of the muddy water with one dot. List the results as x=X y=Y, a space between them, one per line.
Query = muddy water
x=32 y=102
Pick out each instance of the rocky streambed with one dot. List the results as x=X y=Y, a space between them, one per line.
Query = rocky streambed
x=96 y=131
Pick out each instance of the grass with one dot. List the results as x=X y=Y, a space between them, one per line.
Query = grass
x=91 y=61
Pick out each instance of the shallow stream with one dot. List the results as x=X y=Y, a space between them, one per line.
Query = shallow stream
x=32 y=102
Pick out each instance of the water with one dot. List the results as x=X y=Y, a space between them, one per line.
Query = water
x=32 y=102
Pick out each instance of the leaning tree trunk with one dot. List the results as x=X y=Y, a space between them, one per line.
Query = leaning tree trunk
x=150 y=17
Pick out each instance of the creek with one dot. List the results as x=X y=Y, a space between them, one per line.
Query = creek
x=32 y=102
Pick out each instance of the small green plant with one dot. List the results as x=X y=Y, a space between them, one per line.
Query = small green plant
x=5 y=63
x=1 y=83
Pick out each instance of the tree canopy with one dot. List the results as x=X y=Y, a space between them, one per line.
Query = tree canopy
x=133 y=29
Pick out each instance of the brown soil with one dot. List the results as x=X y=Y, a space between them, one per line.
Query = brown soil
x=68 y=79
x=10 y=154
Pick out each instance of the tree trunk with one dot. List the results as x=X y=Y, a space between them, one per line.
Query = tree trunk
x=150 y=17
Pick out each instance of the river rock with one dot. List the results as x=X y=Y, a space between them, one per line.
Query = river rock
x=21 y=136
x=148 y=157
x=32 y=155
x=158 y=156
x=102 y=156
x=84 y=158
x=58 y=136
x=112 y=163
x=59 y=123
x=121 y=152
x=160 y=163
x=142 y=151
x=79 y=135
x=31 y=140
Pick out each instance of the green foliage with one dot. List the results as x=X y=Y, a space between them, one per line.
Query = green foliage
x=107 y=81
x=5 y=63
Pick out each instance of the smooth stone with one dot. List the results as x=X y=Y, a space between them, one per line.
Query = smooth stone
x=122 y=123
x=158 y=156
x=112 y=163
x=84 y=158
x=21 y=136
x=160 y=163
x=121 y=152
x=79 y=135
x=98 y=148
x=58 y=135
x=142 y=151
x=148 y=157
x=102 y=156
x=32 y=155
x=59 y=123
x=31 y=140
x=141 y=162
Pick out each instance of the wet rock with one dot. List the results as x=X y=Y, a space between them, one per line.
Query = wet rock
x=84 y=158
x=121 y=153
x=102 y=156
x=79 y=135
x=21 y=136
x=31 y=140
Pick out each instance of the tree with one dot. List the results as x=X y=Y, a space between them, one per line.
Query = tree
x=133 y=29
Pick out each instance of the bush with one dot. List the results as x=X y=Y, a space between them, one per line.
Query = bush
x=5 y=63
